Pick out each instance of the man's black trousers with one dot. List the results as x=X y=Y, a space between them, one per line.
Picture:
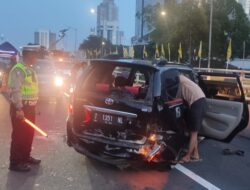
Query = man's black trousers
x=22 y=135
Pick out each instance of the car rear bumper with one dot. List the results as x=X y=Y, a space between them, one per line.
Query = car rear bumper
x=84 y=144
x=120 y=152
x=103 y=158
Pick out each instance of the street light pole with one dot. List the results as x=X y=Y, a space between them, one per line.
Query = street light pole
x=142 y=19
x=210 y=34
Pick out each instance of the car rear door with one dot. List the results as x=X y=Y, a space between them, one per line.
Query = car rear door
x=227 y=110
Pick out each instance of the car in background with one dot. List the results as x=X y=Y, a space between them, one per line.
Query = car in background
x=51 y=83
x=125 y=112
x=7 y=60
x=63 y=68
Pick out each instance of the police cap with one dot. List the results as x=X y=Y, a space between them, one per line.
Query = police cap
x=33 y=48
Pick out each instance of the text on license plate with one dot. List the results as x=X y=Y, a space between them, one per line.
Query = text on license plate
x=108 y=119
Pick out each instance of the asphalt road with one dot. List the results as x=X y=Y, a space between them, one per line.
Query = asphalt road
x=64 y=169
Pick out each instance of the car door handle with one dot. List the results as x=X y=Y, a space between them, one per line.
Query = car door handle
x=215 y=112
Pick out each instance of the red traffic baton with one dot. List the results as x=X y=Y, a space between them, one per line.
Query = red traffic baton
x=35 y=127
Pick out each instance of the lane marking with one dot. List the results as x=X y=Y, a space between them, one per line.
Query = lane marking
x=196 y=178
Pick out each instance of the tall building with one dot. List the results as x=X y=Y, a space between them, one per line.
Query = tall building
x=120 y=38
x=52 y=41
x=107 y=21
x=141 y=28
x=246 y=6
x=45 y=38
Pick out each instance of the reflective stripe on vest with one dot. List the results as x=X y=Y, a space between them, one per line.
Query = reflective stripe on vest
x=29 y=89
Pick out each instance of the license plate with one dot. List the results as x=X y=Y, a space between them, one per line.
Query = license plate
x=108 y=119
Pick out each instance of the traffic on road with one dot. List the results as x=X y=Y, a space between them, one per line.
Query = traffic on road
x=125 y=95
x=111 y=133
x=63 y=168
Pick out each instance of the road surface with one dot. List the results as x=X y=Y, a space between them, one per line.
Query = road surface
x=64 y=169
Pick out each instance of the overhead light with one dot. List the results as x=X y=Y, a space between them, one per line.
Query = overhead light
x=163 y=13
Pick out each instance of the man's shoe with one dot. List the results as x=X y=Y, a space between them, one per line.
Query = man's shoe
x=19 y=167
x=34 y=161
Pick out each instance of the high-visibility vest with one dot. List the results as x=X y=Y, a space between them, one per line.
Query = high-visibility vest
x=29 y=88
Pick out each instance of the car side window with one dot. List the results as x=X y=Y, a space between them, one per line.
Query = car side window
x=170 y=84
x=220 y=87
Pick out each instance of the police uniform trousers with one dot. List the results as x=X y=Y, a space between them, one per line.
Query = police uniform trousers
x=22 y=135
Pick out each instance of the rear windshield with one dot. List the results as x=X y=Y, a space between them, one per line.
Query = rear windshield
x=105 y=79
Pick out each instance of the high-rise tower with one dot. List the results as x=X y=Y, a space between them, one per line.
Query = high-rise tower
x=107 y=21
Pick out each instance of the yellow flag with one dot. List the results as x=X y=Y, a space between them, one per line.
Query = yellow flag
x=132 y=52
x=145 y=53
x=116 y=50
x=125 y=52
x=180 y=51
x=98 y=53
x=90 y=54
x=229 y=50
x=200 y=50
x=157 y=54
x=162 y=50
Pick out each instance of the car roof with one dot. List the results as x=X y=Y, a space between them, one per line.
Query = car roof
x=134 y=62
x=145 y=63
x=175 y=66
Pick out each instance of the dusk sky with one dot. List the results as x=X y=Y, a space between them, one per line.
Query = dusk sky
x=20 y=19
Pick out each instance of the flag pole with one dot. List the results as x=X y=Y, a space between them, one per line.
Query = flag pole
x=227 y=64
x=210 y=35
x=229 y=52
x=244 y=49
x=200 y=54
x=169 y=52
x=199 y=63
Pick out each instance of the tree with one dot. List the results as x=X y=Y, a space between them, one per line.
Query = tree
x=188 y=22
x=96 y=46
x=229 y=21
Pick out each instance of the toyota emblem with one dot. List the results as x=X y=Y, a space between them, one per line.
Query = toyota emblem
x=109 y=101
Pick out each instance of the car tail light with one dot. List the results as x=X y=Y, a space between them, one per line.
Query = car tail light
x=70 y=109
x=152 y=138
x=87 y=116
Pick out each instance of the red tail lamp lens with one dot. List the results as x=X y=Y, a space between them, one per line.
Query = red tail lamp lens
x=70 y=109
x=87 y=116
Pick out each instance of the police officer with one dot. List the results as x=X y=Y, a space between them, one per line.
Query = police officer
x=23 y=88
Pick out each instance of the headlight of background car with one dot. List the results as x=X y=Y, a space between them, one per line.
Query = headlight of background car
x=58 y=81
x=1 y=74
